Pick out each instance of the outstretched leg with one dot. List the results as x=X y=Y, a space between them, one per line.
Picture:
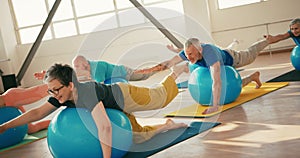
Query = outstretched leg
x=144 y=133
x=255 y=77
x=156 y=97
x=245 y=57
x=178 y=70
x=35 y=127
x=23 y=96
x=233 y=44
x=169 y=125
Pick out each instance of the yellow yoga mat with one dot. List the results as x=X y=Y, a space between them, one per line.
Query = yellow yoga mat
x=248 y=93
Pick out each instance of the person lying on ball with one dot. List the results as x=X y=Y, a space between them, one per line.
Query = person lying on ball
x=66 y=90
x=213 y=57
x=100 y=70
x=86 y=70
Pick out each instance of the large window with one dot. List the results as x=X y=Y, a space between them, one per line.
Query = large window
x=75 y=17
x=233 y=3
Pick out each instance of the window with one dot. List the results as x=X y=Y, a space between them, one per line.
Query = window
x=75 y=17
x=223 y=4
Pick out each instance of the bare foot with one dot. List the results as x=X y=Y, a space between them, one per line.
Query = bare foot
x=178 y=70
x=181 y=68
x=41 y=125
x=233 y=44
x=255 y=78
x=170 y=124
x=211 y=110
x=236 y=41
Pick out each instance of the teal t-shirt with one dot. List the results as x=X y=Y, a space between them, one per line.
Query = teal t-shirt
x=295 y=38
x=101 y=71
x=211 y=54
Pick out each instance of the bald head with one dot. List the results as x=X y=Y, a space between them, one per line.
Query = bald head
x=81 y=66
x=79 y=62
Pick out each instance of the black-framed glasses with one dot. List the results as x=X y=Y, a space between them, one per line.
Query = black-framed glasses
x=55 y=92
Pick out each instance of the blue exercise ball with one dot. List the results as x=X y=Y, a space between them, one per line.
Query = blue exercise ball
x=15 y=135
x=295 y=57
x=192 y=67
x=200 y=85
x=115 y=80
x=73 y=133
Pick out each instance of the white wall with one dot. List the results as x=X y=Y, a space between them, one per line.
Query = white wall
x=7 y=35
x=198 y=10
x=251 y=22
x=7 y=41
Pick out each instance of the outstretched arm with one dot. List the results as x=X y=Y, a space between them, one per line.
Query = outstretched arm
x=173 y=49
x=274 y=39
x=83 y=75
x=28 y=117
x=104 y=129
x=162 y=66
x=23 y=96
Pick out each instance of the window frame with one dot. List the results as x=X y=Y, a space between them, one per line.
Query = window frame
x=238 y=5
x=77 y=18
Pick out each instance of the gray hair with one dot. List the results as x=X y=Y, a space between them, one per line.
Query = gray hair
x=295 y=21
x=191 y=41
x=63 y=73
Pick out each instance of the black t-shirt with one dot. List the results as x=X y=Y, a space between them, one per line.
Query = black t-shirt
x=91 y=93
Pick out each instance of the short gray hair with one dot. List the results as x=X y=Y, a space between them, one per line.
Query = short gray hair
x=63 y=73
x=295 y=21
x=191 y=41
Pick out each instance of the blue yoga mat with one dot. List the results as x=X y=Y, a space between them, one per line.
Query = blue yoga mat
x=291 y=76
x=167 y=139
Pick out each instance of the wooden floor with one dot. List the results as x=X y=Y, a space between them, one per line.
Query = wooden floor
x=265 y=127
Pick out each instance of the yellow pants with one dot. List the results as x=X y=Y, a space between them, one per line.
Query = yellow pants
x=143 y=99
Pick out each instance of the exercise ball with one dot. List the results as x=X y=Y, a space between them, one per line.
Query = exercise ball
x=200 y=85
x=73 y=133
x=295 y=57
x=115 y=80
x=15 y=135
x=192 y=67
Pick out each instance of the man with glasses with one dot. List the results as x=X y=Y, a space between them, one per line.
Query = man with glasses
x=67 y=91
